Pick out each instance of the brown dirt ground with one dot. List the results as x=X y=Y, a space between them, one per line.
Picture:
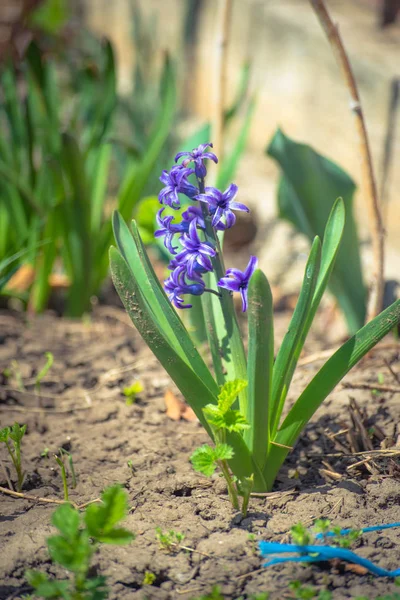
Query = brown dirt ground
x=84 y=410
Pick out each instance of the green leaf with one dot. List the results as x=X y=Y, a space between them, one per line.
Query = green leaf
x=131 y=247
x=46 y=588
x=204 y=459
x=50 y=16
x=17 y=433
x=309 y=186
x=325 y=381
x=229 y=392
x=73 y=554
x=117 y=536
x=5 y=434
x=67 y=520
x=260 y=363
x=101 y=518
x=231 y=420
x=287 y=354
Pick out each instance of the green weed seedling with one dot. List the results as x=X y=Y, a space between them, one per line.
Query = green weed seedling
x=216 y=595
x=343 y=540
x=149 y=578
x=131 y=392
x=76 y=544
x=12 y=438
x=43 y=372
x=60 y=460
x=169 y=540
x=303 y=592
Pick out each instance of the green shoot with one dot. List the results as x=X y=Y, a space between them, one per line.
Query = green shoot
x=169 y=540
x=131 y=392
x=60 y=460
x=45 y=452
x=61 y=464
x=302 y=592
x=149 y=578
x=223 y=419
x=301 y=535
x=12 y=438
x=43 y=372
x=74 y=547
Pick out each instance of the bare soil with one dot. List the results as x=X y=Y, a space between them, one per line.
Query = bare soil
x=83 y=409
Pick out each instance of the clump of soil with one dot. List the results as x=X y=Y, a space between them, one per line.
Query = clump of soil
x=82 y=408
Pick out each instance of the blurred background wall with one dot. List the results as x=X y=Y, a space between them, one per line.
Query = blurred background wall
x=297 y=82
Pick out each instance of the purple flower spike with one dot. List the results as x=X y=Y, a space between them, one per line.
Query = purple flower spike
x=197 y=155
x=175 y=182
x=238 y=281
x=195 y=252
x=169 y=229
x=221 y=204
x=176 y=285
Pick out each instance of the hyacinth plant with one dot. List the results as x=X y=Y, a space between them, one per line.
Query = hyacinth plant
x=242 y=401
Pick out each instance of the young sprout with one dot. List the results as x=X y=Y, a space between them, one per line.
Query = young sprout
x=223 y=419
x=12 y=438
x=149 y=578
x=131 y=392
x=169 y=540
x=301 y=535
x=60 y=460
x=43 y=372
x=303 y=592
x=78 y=539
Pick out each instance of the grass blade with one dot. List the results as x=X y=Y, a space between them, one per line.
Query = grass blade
x=260 y=362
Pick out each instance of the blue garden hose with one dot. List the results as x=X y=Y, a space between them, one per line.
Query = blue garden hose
x=315 y=553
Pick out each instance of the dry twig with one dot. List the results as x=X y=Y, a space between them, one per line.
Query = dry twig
x=368 y=179
x=45 y=500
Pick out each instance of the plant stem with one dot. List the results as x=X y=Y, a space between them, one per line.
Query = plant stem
x=63 y=476
x=234 y=336
x=231 y=486
x=16 y=460
x=368 y=179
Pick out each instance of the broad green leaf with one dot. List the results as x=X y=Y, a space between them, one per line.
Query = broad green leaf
x=5 y=434
x=287 y=357
x=309 y=186
x=145 y=217
x=67 y=520
x=260 y=361
x=188 y=381
x=132 y=249
x=98 y=182
x=325 y=381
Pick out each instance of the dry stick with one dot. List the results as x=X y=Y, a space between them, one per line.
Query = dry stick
x=368 y=179
x=46 y=500
x=220 y=66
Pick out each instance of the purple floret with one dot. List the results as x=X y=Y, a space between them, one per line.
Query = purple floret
x=221 y=205
x=195 y=252
x=175 y=182
x=238 y=281
x=197 y=155
x=176 y=285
